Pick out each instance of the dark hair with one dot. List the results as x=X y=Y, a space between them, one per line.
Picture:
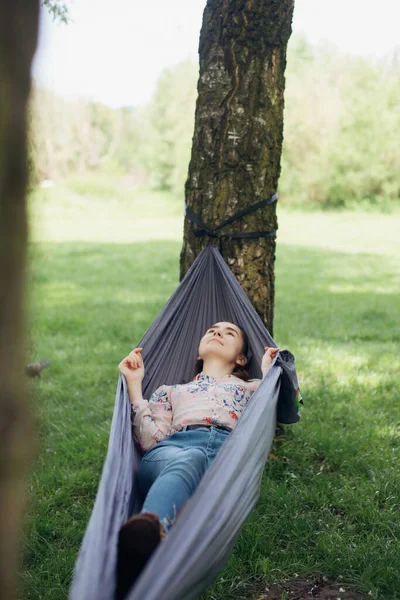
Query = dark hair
x=238 y=371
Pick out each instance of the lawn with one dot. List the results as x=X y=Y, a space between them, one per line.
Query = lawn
x=101 y=268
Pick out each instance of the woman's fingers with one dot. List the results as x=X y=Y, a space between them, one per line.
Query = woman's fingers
x=135 y=358
x=133 y=361
x=271 y=351
x=139 y=356
x=130 y=361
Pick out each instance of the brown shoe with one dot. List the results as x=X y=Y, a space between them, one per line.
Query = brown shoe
x=138 y=538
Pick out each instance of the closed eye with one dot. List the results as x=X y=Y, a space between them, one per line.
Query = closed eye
x=228 y=332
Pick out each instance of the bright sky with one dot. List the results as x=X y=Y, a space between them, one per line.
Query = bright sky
x=115 y=50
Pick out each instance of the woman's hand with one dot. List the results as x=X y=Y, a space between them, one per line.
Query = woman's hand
x=132 y=366
x=268 y=357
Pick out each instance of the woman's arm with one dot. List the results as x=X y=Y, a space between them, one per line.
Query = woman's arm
x=151 y=420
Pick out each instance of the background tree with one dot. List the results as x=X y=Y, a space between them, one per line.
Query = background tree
x=170 y=118
x=237 y=139
x=18 y=38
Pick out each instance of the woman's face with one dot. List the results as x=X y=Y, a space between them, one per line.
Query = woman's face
x=225 y=340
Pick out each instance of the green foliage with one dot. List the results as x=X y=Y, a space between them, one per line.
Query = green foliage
x=58 y=9
x=32 y=156
x=340 y=132
x=329 y=498
x=69 y=137
x=167 y=127
x=341 y=120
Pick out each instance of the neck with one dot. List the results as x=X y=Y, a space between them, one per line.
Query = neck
x=213 y=367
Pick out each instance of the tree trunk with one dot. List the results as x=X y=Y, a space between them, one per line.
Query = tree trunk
x=18 y=36
x=238 y=136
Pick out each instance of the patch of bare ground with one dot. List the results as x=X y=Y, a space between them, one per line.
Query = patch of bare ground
x=321 y=588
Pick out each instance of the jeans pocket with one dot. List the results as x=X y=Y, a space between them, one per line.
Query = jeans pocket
x=155 y=454
x=150 y=467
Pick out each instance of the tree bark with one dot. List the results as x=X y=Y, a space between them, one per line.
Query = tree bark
x=238 y=134
x=18 y=38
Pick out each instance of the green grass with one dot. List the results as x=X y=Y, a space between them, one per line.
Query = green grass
x=104 y=209
x=330 y=495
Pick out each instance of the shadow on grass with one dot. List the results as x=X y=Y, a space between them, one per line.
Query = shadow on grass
x=320 y=294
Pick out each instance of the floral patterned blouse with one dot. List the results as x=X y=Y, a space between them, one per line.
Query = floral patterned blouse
x=203 y=401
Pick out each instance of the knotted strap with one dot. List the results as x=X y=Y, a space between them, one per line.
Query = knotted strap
x=205 y=230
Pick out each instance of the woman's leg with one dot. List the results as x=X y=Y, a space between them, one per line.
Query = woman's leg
x=140 y=535
x=170 y=477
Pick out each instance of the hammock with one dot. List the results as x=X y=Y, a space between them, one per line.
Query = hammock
x=200 y=542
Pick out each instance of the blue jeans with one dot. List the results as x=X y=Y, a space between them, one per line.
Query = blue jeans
x=170 y=472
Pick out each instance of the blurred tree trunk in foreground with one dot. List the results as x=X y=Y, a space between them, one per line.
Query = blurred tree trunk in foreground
x=18 y=37
x=237 y=139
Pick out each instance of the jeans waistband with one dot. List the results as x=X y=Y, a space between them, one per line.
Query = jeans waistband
x=188 y=427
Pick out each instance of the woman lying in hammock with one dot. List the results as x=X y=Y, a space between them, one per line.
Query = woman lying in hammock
x=181 y=429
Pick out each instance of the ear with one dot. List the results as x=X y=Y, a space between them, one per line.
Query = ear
x=199 y=358
x=241 y=360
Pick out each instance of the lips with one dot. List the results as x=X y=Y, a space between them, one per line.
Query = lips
x=215 y=340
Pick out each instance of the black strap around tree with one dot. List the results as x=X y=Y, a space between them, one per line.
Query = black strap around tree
x=205 y=230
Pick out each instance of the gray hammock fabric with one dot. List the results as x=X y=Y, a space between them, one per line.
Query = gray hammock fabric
x=203 y=537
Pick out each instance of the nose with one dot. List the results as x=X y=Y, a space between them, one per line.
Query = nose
x=217 y=333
